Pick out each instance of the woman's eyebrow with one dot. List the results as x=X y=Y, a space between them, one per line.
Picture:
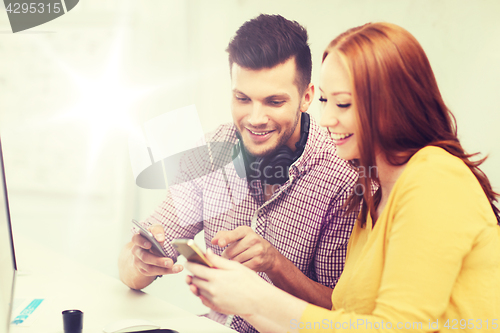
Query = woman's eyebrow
x=337 y=92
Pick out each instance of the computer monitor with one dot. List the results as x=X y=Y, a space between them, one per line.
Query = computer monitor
x=8 y=266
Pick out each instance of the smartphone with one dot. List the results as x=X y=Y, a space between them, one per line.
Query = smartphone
x=155 y=247
x=189 y=249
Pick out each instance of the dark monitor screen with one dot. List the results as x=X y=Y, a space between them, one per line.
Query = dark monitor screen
x=7 y=256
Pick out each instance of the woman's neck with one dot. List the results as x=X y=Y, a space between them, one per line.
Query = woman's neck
x=387 y=174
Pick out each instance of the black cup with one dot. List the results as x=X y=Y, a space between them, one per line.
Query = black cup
x=72 y=321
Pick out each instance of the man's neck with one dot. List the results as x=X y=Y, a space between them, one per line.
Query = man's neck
x=292 y=141
x=269 y=190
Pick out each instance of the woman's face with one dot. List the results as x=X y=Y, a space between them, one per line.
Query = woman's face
x=337 y=106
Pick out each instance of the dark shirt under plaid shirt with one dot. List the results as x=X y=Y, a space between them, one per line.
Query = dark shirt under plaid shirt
x=304 y=219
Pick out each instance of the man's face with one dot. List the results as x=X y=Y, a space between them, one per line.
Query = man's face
x=266 y=107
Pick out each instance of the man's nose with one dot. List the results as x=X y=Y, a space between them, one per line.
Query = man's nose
x=258 y=115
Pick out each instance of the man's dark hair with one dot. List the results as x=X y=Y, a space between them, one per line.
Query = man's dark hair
x=270 y=40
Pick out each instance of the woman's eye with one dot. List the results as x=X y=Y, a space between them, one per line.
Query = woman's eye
x=344 y=105
x=322 y=100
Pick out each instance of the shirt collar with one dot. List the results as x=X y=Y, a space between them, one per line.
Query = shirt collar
x=303 y=163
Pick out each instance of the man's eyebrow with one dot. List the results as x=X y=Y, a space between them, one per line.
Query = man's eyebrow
x=236 y=91
x=284 y=96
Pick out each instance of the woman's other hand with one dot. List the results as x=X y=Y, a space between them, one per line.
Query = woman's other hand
x=229 y=288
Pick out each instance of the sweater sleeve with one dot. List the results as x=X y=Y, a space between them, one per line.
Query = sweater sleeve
x=436 y=216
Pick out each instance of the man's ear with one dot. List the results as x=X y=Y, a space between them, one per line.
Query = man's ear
x=307 y=98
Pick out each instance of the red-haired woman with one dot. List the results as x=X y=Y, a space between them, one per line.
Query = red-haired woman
x=424 y=255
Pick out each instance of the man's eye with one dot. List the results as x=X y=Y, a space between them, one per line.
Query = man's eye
x=344 y=106
x=242 y=99
x=276 y=103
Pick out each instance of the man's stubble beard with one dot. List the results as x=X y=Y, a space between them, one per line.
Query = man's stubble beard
x=283 y=140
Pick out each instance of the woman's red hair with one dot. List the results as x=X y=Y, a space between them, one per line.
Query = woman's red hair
x=400 y=108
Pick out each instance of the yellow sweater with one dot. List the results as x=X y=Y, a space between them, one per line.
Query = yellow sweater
x=431 y=263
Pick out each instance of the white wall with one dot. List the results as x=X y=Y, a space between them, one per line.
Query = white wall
x=66 y=88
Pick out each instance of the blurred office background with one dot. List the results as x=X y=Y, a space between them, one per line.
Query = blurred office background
x=73 y=89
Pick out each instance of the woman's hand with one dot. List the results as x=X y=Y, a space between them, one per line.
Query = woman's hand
x=230 y=288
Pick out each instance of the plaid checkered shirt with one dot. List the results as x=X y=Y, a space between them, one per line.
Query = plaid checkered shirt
x=304 y=219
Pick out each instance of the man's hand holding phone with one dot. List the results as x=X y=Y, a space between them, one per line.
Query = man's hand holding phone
x=147 y=257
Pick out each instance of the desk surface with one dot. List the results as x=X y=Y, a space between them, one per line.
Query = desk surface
x=103 y=299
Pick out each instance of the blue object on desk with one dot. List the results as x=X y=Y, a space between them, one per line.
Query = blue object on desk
x=27 y=311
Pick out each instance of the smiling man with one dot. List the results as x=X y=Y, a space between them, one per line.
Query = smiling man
x=280 y=209
x=266 y=106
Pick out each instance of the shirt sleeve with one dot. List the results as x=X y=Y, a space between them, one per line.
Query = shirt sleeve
x=436 y=216
x=332 y=246
x=181 y=213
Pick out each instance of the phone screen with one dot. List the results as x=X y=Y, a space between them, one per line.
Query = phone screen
x=189 y=249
